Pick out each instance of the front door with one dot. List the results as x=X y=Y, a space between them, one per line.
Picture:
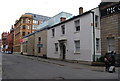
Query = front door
x=62 y=50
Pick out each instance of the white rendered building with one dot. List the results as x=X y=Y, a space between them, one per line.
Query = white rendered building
x=77 y=38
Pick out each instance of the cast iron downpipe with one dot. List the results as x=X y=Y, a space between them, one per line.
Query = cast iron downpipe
x=93 y=37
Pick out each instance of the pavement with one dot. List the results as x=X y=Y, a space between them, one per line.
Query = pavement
x=70 y=64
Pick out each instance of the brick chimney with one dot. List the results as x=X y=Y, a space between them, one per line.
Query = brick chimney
x=80 y=10
x=62 y=19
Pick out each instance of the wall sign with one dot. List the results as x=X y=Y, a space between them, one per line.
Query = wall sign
x=40 y=45
x=111 y=10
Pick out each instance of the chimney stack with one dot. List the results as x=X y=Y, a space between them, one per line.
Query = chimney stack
x=80 y=10
x=62 y=19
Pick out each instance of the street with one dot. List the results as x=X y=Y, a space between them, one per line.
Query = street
x=22 y=67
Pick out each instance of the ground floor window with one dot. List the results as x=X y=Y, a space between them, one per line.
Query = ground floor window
x=56 y=47
x=39 y=49
x=111 y=43
x=97 y=44
x=77 y=46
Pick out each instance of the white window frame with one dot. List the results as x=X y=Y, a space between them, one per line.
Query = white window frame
x=29 y=21
x=97 y=44
x=63 y=30
x=77 y=24
x=56 y=47
x=53 y=33
x=28 y=27
x=75 y=47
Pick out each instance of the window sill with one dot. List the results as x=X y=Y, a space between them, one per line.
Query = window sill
x=98 y=51
x=62 y=34
x=76 y=53
x=52 y=37
x=56 y=52
x=76 y=31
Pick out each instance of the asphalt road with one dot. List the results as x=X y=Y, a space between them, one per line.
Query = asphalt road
x=20 y=67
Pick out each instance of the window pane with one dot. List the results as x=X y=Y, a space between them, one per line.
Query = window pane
x=28 y=27
x=77 y=46
x=28 y=21
x=53 y=32
x=63 y=29
x=23 y=33
x=24 y=20
x=23 y=26
x=39 y=49
x=77 y=25
x=111 y=44
x=97 y=44
x=56 y=47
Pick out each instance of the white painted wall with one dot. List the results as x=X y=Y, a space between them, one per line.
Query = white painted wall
x=85 y=36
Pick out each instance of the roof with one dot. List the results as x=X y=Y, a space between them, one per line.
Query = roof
x=71 y=19
x=39 y=17
x=55 y=19
x=35 y=32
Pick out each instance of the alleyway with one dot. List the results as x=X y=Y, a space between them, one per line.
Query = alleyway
x=23 y=67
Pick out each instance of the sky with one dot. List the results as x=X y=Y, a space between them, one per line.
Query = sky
x=11 y=10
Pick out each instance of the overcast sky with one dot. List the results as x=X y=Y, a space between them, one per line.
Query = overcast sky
x=10 y=10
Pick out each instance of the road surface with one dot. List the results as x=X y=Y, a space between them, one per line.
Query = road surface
x=21 y=67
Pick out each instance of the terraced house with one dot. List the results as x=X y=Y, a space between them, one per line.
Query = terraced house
x=77 y=38
x=36 y=42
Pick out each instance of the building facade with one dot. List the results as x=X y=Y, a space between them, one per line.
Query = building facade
x=39 y=37
x=41 y=43
x=4 y=41
x=110 y=27
x=24 y=26
x=27 y=45
x=10 y=39
x=35 y=44
x=77 y=38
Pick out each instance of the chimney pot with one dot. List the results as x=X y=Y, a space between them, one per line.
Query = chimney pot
x=62 y=19
x=80 y=10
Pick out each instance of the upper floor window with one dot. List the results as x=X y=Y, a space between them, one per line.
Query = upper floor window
x=28 y=32
x=34 y=27
x=53 y=32
x=77 y=25
x=28 y=20
x=63 y=29
x=39 y=40
x=23 y=27
x=35 y=21
x=23 y=33
x=96 y=20
x=24 y=20
x=28 y=27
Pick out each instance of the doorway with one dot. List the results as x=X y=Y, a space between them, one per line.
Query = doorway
x=62 y=50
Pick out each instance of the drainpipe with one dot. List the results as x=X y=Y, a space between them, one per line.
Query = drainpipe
x=93 y=37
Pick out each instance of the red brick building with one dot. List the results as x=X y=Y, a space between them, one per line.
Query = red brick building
x=10 y=39
x=4 y=41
